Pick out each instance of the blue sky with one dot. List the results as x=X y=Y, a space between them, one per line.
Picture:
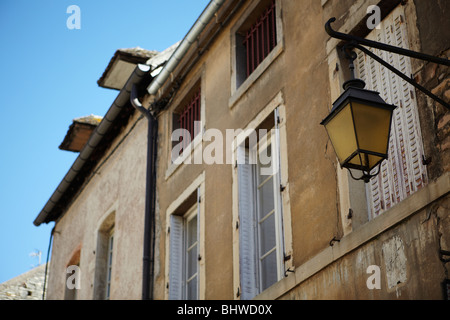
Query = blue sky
x=48 y=77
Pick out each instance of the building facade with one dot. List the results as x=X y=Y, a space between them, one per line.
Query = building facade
x=221 y=183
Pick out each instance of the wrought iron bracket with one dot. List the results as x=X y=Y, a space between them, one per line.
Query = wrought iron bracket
x=366 y=175
x=358 y=43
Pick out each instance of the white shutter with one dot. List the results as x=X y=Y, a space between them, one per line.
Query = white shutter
x=403 y=173
x=176 y=258
x=364 y=68
x=199 y=200
x=414 y=148
x=276 y=157
x=247 y=227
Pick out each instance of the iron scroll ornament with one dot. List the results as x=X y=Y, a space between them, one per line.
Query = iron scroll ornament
x=358 y=43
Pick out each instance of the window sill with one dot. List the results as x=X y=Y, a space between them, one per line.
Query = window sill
x=408 y=207
x=243 y=88
x=194 y=147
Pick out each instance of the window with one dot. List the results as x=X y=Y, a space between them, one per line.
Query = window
x=262 y=230
x=257 y=41
x=104 y=257
x=260 y=39
x=109 y=265
x=186 y=121
x=261 y=239
x=184 y=256
x=71 y=291
x=403 y=173
x=184 y=249
x=72 y=283
x=187 y=118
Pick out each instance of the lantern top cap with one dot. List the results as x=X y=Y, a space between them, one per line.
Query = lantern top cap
x=360 y=95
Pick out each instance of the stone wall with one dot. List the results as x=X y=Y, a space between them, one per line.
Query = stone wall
x=27 y=286
x=435 y=118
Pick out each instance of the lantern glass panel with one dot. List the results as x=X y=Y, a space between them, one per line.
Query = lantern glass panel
x=372 y=127
x=342 y=134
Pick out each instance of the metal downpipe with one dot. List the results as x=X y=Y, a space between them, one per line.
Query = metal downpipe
x=150 y=198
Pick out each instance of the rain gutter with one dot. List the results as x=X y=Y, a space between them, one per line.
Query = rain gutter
x=119 y=103
x=206 y=16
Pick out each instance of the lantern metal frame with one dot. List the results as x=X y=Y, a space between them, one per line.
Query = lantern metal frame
x=355 y=93
x=354 y=42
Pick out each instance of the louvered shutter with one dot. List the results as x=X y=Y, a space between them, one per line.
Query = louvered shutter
x=199 y=199
x=176 y=258
x=247 y=227
x=276 y=158
x=403 y=173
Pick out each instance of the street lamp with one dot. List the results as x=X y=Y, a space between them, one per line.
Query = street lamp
x=359 y=123
x=359 y=126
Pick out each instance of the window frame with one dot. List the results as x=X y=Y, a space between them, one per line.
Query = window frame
x=238 y=87
x=353 y=197
x=285 y=228
x=189 y=216
x=105 y=228
x=191 y=102
x=197 y=82
x=268 y=141
x=75 y=258
x=176 y=210
x=109 y=262
x=403 y=173
x=259 y=39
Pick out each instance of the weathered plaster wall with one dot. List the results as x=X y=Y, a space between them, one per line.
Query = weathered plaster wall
x=311 y=164
x=408 y=259
x=312 y=192
x=117 y=186
x=406 y=249
x=408 y=253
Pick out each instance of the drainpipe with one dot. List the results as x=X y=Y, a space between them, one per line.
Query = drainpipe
x=150 y=198
x=46 y=263
x=155 y=85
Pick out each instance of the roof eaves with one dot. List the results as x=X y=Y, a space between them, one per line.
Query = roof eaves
x=53 y=209
x=135 y=55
